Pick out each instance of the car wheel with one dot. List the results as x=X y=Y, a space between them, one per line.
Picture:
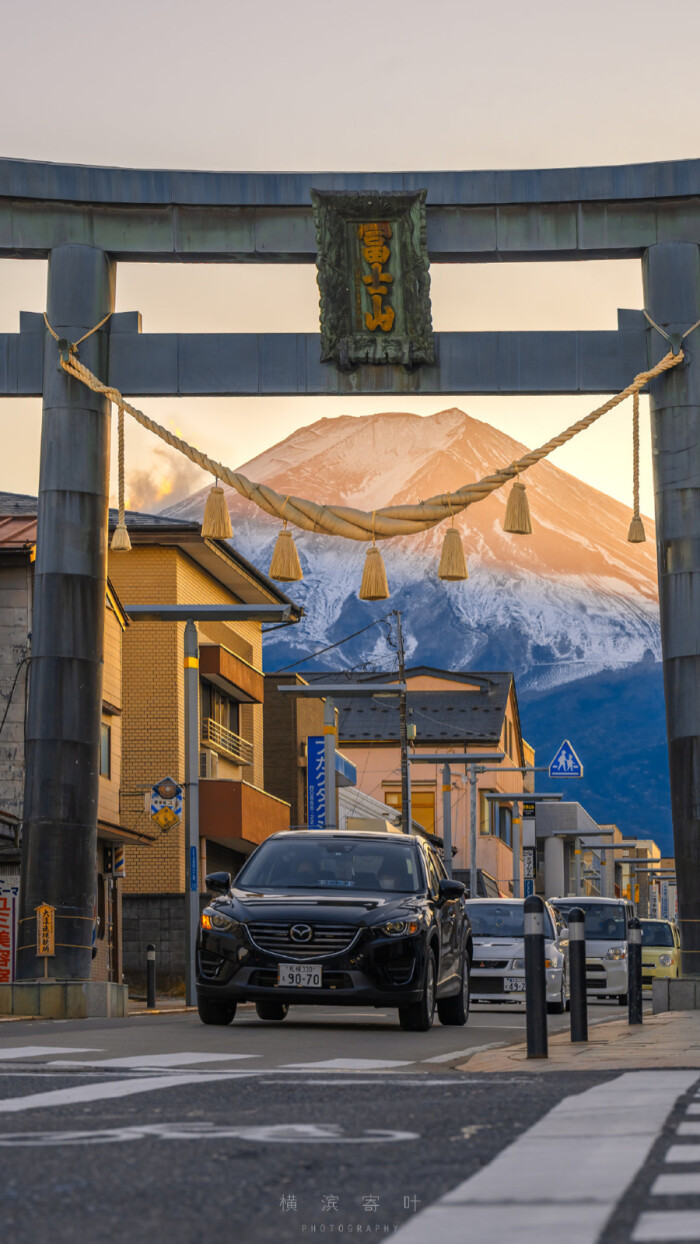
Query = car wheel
x=455 y=1011
x=272 y=1011
x=558 y=1008
x=214 y=1011
x=418 y=1017
x=622 y=999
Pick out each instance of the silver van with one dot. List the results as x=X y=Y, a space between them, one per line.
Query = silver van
x=606 y=922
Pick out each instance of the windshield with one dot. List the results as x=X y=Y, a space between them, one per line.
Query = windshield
x=335 y=864
x=656 y=933
x=501 y=920
x=603 y=922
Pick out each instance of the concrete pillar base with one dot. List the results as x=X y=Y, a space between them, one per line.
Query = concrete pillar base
x=65 y=999
x=681 y=994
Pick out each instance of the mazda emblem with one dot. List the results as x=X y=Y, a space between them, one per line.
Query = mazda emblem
x=301 y=933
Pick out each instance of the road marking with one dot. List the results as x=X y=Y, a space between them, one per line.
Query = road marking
x=474 y=1049
x=38 y=1051
x=606 y=1132
x=674 y=1224
x=687 y=1184
x=103 y=1091
x=276 y=1133
x=146 y=1062
x=683 y=1153
x=350 y=1064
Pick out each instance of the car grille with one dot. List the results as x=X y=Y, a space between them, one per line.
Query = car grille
x=491 y=965
x=327 y=939
x=487 y=984
x=266 y=978
x=209 y=964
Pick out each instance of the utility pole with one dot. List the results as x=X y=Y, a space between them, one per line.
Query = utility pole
x=403 y=734
x=191 y=808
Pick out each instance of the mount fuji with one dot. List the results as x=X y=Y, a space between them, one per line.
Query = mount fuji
x=572 y=609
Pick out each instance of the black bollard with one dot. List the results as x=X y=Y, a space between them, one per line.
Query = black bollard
x=151 y=977
x=634 y=971
x=535 y=979
x=577 y=975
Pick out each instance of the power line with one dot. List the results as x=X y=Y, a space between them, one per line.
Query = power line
x=312 y=655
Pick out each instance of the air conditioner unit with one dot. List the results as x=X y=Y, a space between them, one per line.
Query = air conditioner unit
x=208 y=764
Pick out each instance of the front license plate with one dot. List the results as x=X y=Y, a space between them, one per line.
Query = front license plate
x=513 y=984
x=300 y=975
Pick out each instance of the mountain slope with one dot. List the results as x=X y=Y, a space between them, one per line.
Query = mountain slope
x=571 y=609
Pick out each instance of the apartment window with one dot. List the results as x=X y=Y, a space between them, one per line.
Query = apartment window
x=422 y=806
x=219 y=707
x=105 y=750
x=505 y=824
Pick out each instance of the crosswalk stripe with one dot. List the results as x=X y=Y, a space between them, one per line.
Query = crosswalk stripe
x=666 y=1226
x=474 y=1049
x=350 y=1064
x=606 y=1139
x=37 y=1051
x=146 y=1061
x=687 y=1184
x=688 y=1129
x=682 y=1153
x=104 y=1090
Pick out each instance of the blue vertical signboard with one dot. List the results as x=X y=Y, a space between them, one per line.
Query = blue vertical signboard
x=316 y=781
x=194 y=881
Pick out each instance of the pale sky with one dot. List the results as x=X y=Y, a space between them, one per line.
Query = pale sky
x=323 y=86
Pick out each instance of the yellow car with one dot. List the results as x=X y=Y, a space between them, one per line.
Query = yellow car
x=661 y=951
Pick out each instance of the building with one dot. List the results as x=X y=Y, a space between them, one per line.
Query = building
x=451 y=711
x=17 y=552
x=171 y=563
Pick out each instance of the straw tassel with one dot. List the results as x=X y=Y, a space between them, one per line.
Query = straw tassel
x=453 y=563
x=216 y=520
x=120 y=540
x=374 y=584
x=285 y=565
x=636 y=533
x=517 y=520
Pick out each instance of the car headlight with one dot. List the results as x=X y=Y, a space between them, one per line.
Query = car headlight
x=665 y=961
x=518 y=965
x=617 y=952
x=215 y=920
x=399 y=928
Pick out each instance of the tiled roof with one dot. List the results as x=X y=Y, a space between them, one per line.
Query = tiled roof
x=439 y=716
x=17 y=532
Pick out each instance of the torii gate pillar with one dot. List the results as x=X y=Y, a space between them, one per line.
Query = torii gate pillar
x=671 y=272
x=59 y=836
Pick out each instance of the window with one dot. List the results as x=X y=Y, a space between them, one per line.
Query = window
x=105 y=750
x=422 y=806
x=485 y=811
x=505 y=824
x=219 y=707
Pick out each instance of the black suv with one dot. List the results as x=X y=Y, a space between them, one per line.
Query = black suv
x=319 y=916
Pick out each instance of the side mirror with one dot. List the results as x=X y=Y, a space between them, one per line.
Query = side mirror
x=219 y=883
x=449 y=889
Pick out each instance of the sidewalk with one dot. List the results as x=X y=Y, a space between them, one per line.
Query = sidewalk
x=669 y=1040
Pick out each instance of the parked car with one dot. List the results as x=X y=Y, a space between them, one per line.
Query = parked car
x=606 y=922
x=661 y=951
x=498 y=968
x=350 y=919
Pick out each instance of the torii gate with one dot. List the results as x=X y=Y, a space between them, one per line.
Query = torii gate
x=85 y=220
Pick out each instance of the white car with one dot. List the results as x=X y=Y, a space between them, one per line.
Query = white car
x=498 y=967
x=606 y=921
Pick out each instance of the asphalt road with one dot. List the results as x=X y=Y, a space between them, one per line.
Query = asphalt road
x=333 y=1124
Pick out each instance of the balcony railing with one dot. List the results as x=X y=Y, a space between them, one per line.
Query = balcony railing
x=226 y=742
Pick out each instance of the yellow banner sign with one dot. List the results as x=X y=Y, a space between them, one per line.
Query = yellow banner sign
x=46 y=930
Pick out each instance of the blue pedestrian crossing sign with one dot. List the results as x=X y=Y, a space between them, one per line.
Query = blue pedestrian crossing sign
x=566 y=763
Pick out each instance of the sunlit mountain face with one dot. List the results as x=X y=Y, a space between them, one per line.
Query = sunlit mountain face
x=571 y=609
